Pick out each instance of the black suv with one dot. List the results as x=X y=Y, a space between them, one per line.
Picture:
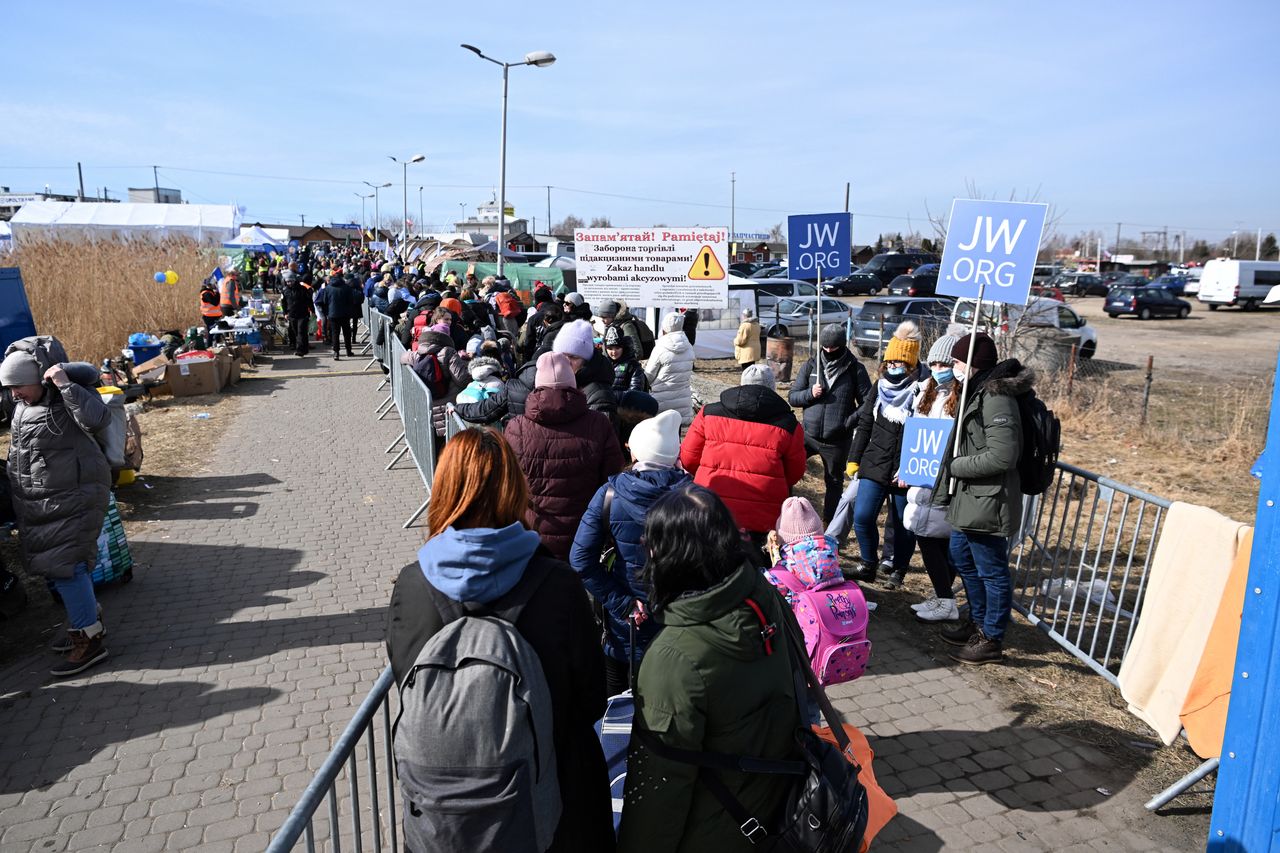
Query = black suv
x=886 y=266
x=922 y=282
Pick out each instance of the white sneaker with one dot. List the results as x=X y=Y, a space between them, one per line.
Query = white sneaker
x=928 y=604
x=944 y=610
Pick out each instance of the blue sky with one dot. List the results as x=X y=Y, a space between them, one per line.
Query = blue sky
x=1147 y=113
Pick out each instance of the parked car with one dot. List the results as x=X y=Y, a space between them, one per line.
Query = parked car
x=922 y=282
x=770 y=271
x=1174 y=284
x=770 y=290
x=1044 y=273
x=796 y=314
x=1110 y=278
x=746 y=268
x=887 y=266
x=1146 y=302
x=1129 y=280
x=1191 y=286
x=868 y=332
x=848 y=285
x=999 y=318
x=1048 y=291
x=1242 y=283
x=1080 y=284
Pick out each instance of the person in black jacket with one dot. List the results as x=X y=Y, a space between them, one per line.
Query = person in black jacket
x=877 y=446
x=830 y=399
x=298 y=308
x=628 y=374
x=478 y=552
x=340 y=305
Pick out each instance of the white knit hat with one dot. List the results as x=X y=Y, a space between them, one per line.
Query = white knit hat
x=657 y=439
x=759 y=374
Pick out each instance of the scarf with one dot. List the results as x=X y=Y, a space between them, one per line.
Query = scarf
x=833 y=367
x=894 y=401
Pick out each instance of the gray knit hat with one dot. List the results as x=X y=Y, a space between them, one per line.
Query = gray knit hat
x=20 y=368
x=759 y=374
x=941 y=350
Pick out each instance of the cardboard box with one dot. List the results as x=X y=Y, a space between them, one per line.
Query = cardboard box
x=223 y=360
x=190 y=378
x=245 y=353
x=147 y=366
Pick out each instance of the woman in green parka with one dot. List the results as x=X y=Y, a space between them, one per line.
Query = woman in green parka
x=716 y=679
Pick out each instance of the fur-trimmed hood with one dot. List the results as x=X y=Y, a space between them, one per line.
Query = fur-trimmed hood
x=1008 y=379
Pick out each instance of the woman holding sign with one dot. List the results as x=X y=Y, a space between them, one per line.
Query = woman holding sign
x=877 y=446
x=936 y=397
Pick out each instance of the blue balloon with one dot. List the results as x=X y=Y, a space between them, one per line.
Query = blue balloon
x=159 y=277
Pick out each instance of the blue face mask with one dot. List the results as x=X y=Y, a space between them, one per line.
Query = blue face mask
x=896 y=372
x=942 y=377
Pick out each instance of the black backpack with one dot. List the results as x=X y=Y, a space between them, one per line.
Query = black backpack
x=1041 y=443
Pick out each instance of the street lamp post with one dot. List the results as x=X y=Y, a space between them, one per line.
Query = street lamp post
x=362 y=219
x=377 y=209
x=416 y=158
x=538 y=59
x=420 y=219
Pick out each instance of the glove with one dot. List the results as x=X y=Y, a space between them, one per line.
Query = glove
x=851 y=470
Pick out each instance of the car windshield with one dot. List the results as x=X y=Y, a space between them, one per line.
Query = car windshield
x=806 y=290
x=875 y=263
x=788 y=306
x=1122 y=293
x=872 y=310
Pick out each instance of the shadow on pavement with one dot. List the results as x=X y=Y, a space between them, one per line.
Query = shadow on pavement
x=47 y=733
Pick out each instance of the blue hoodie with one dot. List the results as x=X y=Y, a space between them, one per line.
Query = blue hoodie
x=480 y=564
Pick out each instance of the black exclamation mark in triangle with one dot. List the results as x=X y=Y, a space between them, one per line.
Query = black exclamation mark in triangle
x=706 y=263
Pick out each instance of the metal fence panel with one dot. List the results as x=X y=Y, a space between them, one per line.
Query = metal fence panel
x=419 y=431
x=1081 y=571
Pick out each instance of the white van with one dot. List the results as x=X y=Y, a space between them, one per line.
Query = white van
x=1242 y=283
x=999 y=318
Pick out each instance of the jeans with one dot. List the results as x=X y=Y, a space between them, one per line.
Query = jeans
x=866 y=516
x=835 y=457
x=842 y=522
x=982 y=560
x=77 y=596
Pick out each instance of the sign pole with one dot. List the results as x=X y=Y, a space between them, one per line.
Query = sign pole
x=817 y=312
x=964 y=386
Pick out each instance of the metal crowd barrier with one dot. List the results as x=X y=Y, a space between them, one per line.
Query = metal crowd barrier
x=1080 y=575
x=379 y=808
x=412 y=399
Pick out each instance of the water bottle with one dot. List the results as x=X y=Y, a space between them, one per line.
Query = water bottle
x=203 y=416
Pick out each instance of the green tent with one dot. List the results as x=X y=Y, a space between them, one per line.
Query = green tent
x=521 y=276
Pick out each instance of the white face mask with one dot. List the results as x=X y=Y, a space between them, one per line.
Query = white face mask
x=961 y=373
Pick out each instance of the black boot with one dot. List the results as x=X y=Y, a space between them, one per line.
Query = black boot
x=862 y=572
x=979 y=650
x=959 y=635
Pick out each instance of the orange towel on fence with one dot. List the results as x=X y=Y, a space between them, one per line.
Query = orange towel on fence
x=1204 y=714
x=880 y=806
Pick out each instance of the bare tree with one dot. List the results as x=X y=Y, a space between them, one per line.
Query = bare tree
x=600 y=222
x=776 y=234
x=1052 y=218
x=565 y=226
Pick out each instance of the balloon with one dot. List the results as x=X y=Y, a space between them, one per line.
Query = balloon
x=170 y=277
x=159 y=277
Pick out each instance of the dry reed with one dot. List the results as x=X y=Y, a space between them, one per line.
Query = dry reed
x=93 y=295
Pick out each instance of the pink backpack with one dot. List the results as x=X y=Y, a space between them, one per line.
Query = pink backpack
x=834 y=622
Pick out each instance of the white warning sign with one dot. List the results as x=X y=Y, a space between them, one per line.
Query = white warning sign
x=654 y=267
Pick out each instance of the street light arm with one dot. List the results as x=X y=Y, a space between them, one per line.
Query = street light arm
x=478 y=53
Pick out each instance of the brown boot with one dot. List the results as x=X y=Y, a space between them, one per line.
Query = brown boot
x=87 y=650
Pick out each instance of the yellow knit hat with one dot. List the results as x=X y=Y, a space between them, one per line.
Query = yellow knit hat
x=905 y=344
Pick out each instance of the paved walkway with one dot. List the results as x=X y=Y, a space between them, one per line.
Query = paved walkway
x=254 y=627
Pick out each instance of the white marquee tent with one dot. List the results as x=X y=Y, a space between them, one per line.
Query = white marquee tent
x=204 y=223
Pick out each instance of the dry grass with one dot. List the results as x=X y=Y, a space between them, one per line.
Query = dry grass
x=92 y=296
x=1198 y=444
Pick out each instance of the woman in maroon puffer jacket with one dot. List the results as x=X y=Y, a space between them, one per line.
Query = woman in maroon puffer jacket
x=567 y=451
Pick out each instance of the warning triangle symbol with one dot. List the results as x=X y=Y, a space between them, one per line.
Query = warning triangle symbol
x=705 y=266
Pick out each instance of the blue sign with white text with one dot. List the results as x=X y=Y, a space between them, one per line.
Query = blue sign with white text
x=924 y=441
x=819 y=244
x=991 y=247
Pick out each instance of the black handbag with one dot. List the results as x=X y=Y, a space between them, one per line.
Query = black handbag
x=826 y=809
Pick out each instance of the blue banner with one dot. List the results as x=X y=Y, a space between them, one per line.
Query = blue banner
x=819 y=243
x=991 y=246
x=924 y=442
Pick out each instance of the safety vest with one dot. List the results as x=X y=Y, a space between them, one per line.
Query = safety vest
x=207 y=310
x=230 y=292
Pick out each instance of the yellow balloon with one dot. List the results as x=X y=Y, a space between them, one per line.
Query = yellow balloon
x=170 y=277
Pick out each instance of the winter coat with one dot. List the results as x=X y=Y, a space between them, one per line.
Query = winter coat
x=486 y=380
x=617 y=590
x=630 y=326
x=749 y=450
x=628 y=375
x=923 y=517
x=339 y=302
x=670 y=372
x=567 y=451
x=297 y=302
x=877 y=444
x=453 y=365
x=746 y=344
x=593 y=380
x=988 y=497
x=59 y=479
x=830 y=419
x=480 y=565
x=707 y=684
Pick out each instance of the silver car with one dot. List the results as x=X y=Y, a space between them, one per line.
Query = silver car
x=797 y=313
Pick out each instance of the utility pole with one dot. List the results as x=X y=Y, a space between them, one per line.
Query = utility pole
x=1235 y=242
x=155 y=173
x=548 y=210
x=846 y=202
x=304 y=219
x=80 y=172
x=1257 y=253
x=733 y=207
x=420 y=219
x=1182 y=247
